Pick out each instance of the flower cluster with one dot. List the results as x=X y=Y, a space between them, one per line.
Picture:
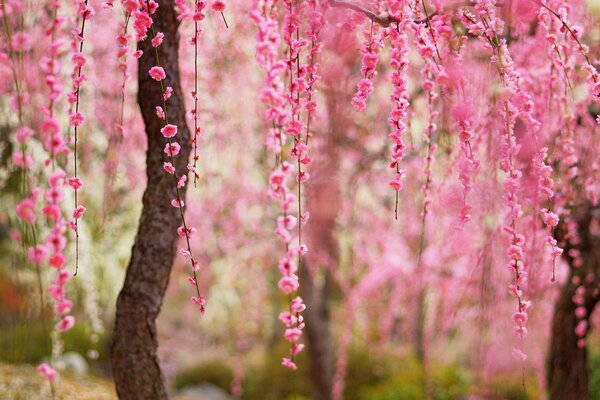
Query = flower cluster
x=370 y=49
x=85 y=12
x=398 y=119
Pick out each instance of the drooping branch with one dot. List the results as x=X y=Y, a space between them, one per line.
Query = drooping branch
x=384 y=19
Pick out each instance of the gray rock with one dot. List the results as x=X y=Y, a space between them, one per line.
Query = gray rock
x=205 y=391
x=72 y=362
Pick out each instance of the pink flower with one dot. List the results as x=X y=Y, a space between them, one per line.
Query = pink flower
x=580 y=312
x=157 y=73
x=51 y=211
x=75 y=183
x=19 y=161
x=57 y=260
x=21 y=41
x=78 y=60
x=172 y=149
x=292 y=334
x=167 y=166
x=286 y=266
x=519 y=318
x=167 y=94
x=63 y=307
x=78 y=212
x=286 y=362
x=200 y=302
x=581 y=328
x=25 y=210
x=47 y=371
x=218 y=6
x=519 y=355
x=77 y=119
x=297 y=305
x=177 y=203
x=288 y=284
x=160 y=113
x=37 y=254
x=66 y=323
x=56 y=242
x=169 y=130
x=549 y=218
x=286 y=318
x=158 y=39
x=153 y=6
x=24 y=133
x=181 y=231
x=297 y=348
x=396 y=183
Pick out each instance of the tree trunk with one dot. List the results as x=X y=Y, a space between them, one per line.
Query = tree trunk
x=318 y=336
x=568 y=372
x=568 y=369
x=134 y=358
x=324 y=197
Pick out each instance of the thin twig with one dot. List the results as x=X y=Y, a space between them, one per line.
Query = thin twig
x=383 y=20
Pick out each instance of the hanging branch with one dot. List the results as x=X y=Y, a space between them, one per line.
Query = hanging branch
x=384 y=20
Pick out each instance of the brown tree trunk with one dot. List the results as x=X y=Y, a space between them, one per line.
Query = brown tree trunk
x=318 y=336
x=568 y=369
x=324 y=197
x=134 y=358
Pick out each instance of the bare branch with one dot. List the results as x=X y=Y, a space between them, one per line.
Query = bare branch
x=383 y=20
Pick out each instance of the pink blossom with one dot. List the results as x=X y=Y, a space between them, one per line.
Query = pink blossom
x=75 y=183
x=286 y=362
x=24 y=133
x=177 y=203
x=519 y=318
x=37 y=254
x=66 y=323
x=158 y=39
x=297 y=348
x=519 y=355
x=169 y=130
x=292 y=334
x=167 y=94
x=77 y=119
x=167 y=166
x=286 y=266
x=218 y=6
x=397 y=183
x=157 y=73
x=581 y=328
x=297 y=305
x=21 y=41
x=63 y=307
x=288 y=284
x=57 y=260
x=25 y=210
x=47 y=371
x=78 y=59
x=78 y=212
x=56 y=241
x=51 y=211
x=549 y=218
x=172 y=149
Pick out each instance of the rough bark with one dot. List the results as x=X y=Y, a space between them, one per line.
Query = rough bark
x=568 y=369
x=318 y=336
x=134 y=360
x=324 y=197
